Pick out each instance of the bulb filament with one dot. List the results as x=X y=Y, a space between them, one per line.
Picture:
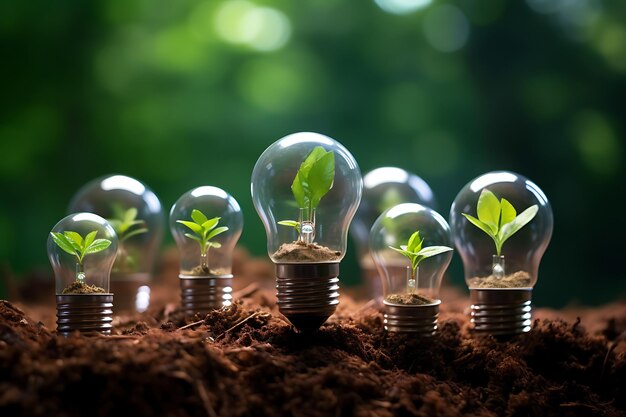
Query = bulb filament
x=411 y=279
x=80 y=273
x=307 y=225
x=497 y=266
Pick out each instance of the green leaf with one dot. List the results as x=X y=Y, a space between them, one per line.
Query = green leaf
x=290 y=223
x=413 y=241
x=193 y=226
x=98 y=245
x=116 y=224
x=194 y=237
x=89 y=239
x=406 y=253
x=432 y=251
x=321 y=177
x=134 y=233
x=75 y=239
x=215 y=245
x=520 y=221
x=64 y=243
x=315 y=155
x=210 y=224
x=130 y=215
x=300 y=190
x=216 y=232
x=198 y=216
x=482 y=226
x=488 y=210
x=508 y=212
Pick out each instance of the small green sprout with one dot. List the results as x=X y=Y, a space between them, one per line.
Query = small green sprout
x=498 y=218
x=416 y=254
x=204 y=230
x=74 y=244
x=126 y=224
x=312 y=182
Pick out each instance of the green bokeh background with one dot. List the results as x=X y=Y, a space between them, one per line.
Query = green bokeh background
x=186 y=93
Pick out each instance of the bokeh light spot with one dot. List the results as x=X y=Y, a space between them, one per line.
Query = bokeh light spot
x=402 y=6
x=446 y=28
x=597 y=143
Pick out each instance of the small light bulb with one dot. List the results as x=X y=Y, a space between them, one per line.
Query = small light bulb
x=411 y=247
x=206 y=223
x=306 y=188
x=384 y=188
x=502 y=224
x=82 y=249
x=135 y=213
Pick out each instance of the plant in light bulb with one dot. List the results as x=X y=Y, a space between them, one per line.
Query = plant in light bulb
x=204 y=229
x=126 y=225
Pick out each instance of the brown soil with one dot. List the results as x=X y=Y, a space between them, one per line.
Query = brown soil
x=82 y=288
x=305 y=252
x=245 y=360
x=409 y=299
x=201 y=271
x=520 y=279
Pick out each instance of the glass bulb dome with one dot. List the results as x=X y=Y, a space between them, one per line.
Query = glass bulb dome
x=327 y=224
x=517 y=264
x=135 y=213
x=215 y=257
x=393 y=228
x=87 y=268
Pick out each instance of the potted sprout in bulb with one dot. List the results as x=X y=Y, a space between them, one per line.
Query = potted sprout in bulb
x=135 y=213
x=411 y=264
x=384 y=188
x=502 y=225
x=206 y=223
x=306 y=188
x=82 y=248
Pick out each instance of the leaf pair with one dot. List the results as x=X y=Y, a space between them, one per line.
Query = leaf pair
x=291 y=223
x=74 y=244
x=124 y=221
x=205 y=229
x=314 y=178
x=498 y=218
x=416 y=253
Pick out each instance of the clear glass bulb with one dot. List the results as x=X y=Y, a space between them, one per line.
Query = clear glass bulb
x=135 y=213
x=87 y=270
x=274 y=201
x=401 y=283
x=517 y=265
x=216 y=257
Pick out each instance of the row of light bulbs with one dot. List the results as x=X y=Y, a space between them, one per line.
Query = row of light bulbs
x=206 y=223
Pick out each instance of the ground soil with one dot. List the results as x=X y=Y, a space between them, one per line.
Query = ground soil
x=520 y=279
x=77 y=287
x=408 y=299
x=305 y=252
x=246 y=360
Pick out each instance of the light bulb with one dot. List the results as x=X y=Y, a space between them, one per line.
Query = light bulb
x=502 y=224
x=206 y=223
x=135 y=213
x=384 y=188
x=411 y=247
x=306 y=188
x=82 y=248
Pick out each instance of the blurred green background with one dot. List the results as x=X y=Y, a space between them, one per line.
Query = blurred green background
x=186 y=93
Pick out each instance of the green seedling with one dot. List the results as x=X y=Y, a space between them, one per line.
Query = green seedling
x=414 y=251
x=312 y=182
x=74 y=244
x=204 y=230
x=126 y=224
x=499 y=219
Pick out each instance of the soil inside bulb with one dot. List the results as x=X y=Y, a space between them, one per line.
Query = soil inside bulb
x=305 y=252
x=412 y=299
x=203 y=271
x=77 y=287
x=520 y=279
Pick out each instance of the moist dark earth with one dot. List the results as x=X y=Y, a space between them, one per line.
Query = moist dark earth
x=246 y=360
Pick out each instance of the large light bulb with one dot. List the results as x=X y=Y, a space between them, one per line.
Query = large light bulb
x=502 y=224
x=384 y=188
x=135 y=213
x=410 y=245
x=206 y=223
x=312 y=185
x=82 y=249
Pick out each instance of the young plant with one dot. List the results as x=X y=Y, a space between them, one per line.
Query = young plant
x=416 y=254
x=126 y=224
x=74 y=244
x=498 y=218
x=204 y=230
x=312 y=182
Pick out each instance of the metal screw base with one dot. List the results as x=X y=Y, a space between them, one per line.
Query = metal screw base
x=87 y=313
x=501 y=312
x=307 y=293
x=417 y=319
x=205 y=294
